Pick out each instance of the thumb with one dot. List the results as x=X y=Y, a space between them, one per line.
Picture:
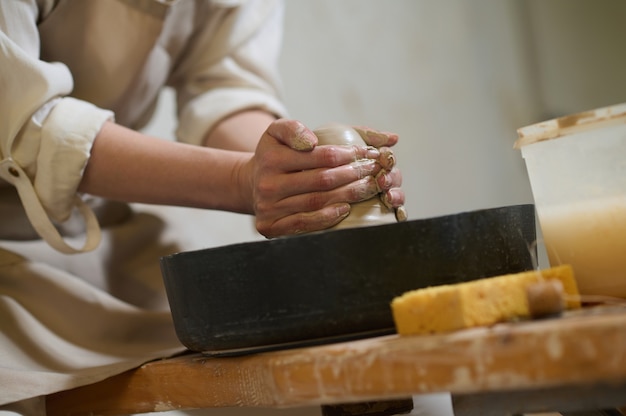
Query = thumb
x=292 y=133
x=376 y=138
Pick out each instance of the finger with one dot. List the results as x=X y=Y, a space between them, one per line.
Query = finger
x=293 y=134
x=357 y=191
x=401 y=214
x=328 y=156
x=393 y=198
x=387 y=158
x=386 y=180
x=317 y=180
x=305 y=222
x=376 y=138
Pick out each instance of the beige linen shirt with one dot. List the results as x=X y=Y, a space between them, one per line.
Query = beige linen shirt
x=67 y=66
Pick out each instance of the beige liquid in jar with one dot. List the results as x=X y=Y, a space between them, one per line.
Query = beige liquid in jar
x=591 y=236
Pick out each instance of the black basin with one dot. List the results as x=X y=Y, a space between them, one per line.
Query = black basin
x=335 y=285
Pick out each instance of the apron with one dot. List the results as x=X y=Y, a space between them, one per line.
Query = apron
x=70 y=320
x=66 y=321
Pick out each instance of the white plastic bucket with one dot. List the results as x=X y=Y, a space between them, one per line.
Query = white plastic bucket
x=577 y=170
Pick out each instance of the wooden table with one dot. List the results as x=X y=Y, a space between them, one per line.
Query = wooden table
x=574 y=362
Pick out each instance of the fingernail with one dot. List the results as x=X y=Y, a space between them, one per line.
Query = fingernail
x=387 y=159
x=383 y=181
x=384 y=198
x=401 y=214
x=343 y=210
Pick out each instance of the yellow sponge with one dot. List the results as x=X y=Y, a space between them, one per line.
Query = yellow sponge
x=480 y=302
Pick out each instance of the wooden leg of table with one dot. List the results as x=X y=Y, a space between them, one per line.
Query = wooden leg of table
x=376 y=408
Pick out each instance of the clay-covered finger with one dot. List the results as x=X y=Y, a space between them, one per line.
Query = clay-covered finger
x=305 y=222
x=365 y=167
x=376 y=138
x=320 y=180
x=387 y=159
x=357 y=191
x=328 y=156
x=386 y=180
x=293 y=134
x=393 y=198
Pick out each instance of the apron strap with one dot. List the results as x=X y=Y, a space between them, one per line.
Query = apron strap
x=13 y=173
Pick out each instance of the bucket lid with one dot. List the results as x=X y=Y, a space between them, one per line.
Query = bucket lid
x=574 y=123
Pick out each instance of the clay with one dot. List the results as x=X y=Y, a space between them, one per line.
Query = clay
x=372 y=211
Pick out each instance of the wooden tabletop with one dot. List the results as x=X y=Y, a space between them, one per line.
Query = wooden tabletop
x=580 y=356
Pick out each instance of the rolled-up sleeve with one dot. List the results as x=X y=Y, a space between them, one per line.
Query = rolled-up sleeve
x=232 y=65
x=42 y=130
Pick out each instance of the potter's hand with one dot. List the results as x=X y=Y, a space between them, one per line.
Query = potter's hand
x=298 y=187
x=389 y=179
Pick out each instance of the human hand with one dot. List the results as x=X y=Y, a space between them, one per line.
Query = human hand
x=298 y=187
x=389 y=178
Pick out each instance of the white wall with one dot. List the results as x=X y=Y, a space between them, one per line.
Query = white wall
x=579 y=52
x=454 y=78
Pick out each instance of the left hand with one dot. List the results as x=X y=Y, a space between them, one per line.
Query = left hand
x=389 y=179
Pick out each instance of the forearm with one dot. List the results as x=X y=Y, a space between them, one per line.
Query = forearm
x=129 y=166
x=241 y=131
